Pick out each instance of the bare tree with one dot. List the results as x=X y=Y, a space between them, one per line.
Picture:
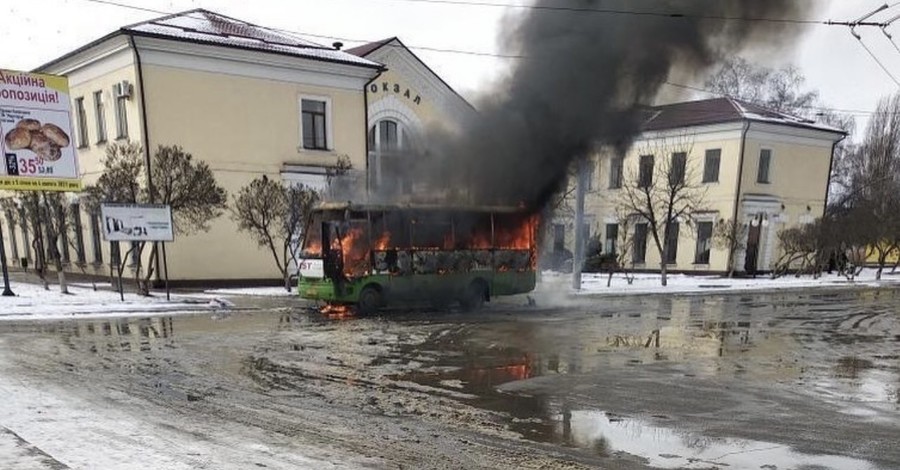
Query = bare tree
x=624 y=246
x=273 y=214
x=188 y=186
x=664 y=191
x=729 y=235
x=780 y=90
x=873 y=195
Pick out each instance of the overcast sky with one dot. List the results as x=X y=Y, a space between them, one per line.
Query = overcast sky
x=833 y=61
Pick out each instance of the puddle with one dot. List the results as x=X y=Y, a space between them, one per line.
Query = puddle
x=670 y=448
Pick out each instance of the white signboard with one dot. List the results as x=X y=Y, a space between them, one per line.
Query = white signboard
x=137 y=222
x=36 y=140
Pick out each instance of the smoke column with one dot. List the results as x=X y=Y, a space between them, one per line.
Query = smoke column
x=582 y=81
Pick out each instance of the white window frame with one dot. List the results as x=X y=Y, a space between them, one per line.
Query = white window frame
x=329 y=122
x=121 y=111
x=100 y=116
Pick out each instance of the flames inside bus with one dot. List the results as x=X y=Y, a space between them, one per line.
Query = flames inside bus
x=376 y=256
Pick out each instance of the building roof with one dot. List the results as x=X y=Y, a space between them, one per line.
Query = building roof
x=366 y=49
x=205 y=27
x=722 y=110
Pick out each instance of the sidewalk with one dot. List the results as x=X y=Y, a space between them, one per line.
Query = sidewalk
x=595 y=284
x=33 y=302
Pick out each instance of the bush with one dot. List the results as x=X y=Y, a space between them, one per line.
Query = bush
x=601 y=263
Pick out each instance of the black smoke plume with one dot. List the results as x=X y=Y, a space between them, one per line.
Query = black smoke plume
x=581 y=83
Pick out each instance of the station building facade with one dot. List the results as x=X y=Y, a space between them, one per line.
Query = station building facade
x=766 y=170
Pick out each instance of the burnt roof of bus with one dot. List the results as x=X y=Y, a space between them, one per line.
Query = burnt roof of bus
x=360 y=207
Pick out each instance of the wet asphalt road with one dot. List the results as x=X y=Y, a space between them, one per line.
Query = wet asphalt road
x=762 y=381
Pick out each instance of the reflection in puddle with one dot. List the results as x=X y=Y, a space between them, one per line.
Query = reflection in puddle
x=123 y=334
x=668 y=448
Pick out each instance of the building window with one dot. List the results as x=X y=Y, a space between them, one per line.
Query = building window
x=135 y=255
x=63 y=235
x=704 y=241
x=13 y=242
x=612 y=236
x=121 y=92
x=711 y=166
x=100 y=111
x=81 y=122
x=75 y=210
x=591 y=169
x=672 y=244
x=389 y=135
x=315 y=124
x=645 y=171
x=639 y=252
x=559 y=237
x=26 y=243
x=616 y=168
x=765 y=163
x=679 y=167
x=96 y=244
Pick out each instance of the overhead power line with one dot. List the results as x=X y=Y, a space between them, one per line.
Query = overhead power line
x=477 y=53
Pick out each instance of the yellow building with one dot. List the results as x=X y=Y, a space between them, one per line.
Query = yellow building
x=767 y=170
x=249 y=101
x=404 y=102
x=245 y=99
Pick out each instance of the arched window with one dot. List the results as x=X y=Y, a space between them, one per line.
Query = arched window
x=387 y=135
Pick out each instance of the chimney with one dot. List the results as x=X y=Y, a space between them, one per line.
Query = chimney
x=337 y=45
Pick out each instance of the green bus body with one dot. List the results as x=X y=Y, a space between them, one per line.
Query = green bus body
x=441 y=288
x=407 y=263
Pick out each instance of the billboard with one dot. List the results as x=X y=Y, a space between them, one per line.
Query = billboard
x=137 y=223
x=36 y=140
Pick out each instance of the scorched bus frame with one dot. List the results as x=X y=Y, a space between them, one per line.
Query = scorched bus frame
x=370 y=256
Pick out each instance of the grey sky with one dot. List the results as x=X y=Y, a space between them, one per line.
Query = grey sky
x=834 y=62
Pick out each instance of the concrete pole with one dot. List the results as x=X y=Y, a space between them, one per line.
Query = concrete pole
x=578 y=258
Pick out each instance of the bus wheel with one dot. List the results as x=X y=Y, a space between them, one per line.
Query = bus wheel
x=370 y=300
x=473 y=298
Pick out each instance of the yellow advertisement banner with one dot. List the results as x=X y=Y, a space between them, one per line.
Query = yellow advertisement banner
x=37 y=149
x=17 y=183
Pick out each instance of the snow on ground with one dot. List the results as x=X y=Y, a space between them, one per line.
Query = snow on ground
x=595 y=284
x=32 y=302
x=254 y=292
x=46 y=426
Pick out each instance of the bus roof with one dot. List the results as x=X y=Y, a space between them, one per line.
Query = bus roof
x=374 y=207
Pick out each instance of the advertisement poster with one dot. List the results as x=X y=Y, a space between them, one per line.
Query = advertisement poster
x=36 y=139
x=137 y=222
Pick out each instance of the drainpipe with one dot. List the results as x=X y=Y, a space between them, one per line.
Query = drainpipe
x=366 y=126
x=145 y=136
x=737 y=194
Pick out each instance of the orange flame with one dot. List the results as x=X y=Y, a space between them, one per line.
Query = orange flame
x=336 y=311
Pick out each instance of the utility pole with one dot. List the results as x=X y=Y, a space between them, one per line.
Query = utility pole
x=7 y=292
x=580 y=188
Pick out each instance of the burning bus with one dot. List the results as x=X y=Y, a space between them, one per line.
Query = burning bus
x=368 y=256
